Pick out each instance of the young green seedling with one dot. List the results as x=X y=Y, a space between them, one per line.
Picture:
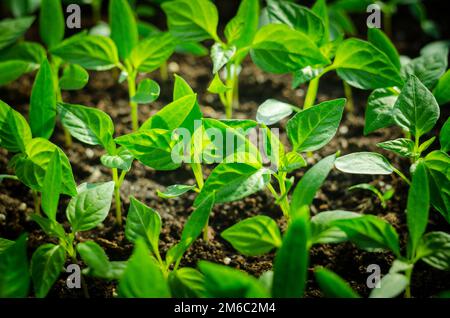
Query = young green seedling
x=416 y=111
x=94 y=127
x=382 y=196
x=359 y=63
x=32 y=155
x=147 y=274
x=187 y=25
x=86 y=210
x=124 y=51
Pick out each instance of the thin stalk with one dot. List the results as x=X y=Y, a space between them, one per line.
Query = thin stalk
x=408 y=274
x=236 y=86
x=284 y=203
x=117 y=184
x=311 y=93
x=229 y=94
x=401 y=175
x=198 y=173
x=134 y=107
x=37 y=202
x=164 y=72
x=349 y=95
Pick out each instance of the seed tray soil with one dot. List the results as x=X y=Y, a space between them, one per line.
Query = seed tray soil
x=103 y=91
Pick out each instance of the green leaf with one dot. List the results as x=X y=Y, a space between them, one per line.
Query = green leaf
x=193 y=48
x=142 y=277
x=182 y=113
x=272 y=111
x=13 y=29
x=363 y=66
x=124 y=30
x=444 y=136
x=304 y=75
x=143 y=222
x=31 y=52
x=418 y=207
x=153 y=148
x=428 y=68
x=221 y=55
x=174 y=191
x=43 y=103
x=89 y=125
x=150 y=53
x=324 y=232
x=123 y=159
x=74 y=77
x=51 y=22
x=98 y=262
x=416 y=109
x=401 y=146
x=147 y=92
x=181 y=88
x=291 y=260
x=15 y=277
x=192 y=20
x=15 y=133
x=279 y=49
x=310 y=183
x=91 y=206
x=370 y=232
x=297 y=17
x=217 y=86
x=52 y=186
x=93 y=52
x=241 y=29
x=391 y=285
x=32 y=165
x=437 y=163
x=291 y=162
x=46 y=266
x=442 y=90
x=50 y=227
x=364 y=163
x=187 y=283
x=382 y=42
x=234 y=181
x=321 y=10
x=332 y=285
x=12 y=70
x=379 y=110
x=225 y=282
x=254 y=236
x=434 y=249
x=313 y=128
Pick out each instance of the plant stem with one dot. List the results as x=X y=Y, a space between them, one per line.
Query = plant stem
x=164 y=72
x=37 y=202
x=401 y=175
x=117 y=184
x=284 y=204
x=408 y=274
x=198 y=173
x=311 y=93
x=349 y=95
x=133 y=105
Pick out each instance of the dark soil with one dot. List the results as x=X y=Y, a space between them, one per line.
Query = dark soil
x=104 y=92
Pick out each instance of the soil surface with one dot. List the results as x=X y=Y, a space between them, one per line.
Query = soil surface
x=105 y=93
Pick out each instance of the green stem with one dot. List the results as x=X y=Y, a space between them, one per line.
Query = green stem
x=117 y=196
x=37 y=202
x=133 y=105
x=164 y=72
x=311 y=93
x=349 y=95
x=284 y=204
x=401 y=175
x=408 y=274
x=198 y=173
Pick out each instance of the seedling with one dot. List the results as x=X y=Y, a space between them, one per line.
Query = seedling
x=382 y=196
x=188 y=26
x=32 y=155
x=147 y=274
x=94 y=127
x=86 y=210
x=359 y=63
x=124 y=51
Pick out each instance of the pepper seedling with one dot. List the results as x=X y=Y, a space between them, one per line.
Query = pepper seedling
x=124 y=51
x=384 y=196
